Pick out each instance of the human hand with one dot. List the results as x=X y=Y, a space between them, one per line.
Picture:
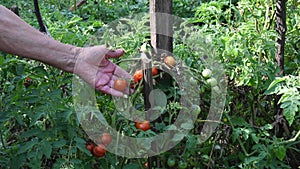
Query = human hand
x=93 y=66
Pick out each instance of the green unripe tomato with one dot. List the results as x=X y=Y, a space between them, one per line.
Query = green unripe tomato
x=206 y=73
x=171 y=162
x=216 y=89
x=182 y=165
x=212 y=81
x=196 y=109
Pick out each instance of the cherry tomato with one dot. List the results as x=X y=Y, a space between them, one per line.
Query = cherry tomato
x=182 y=165
x=169 y=60
x=146 y=164
x=154 y=71
x=89 y=146
x=206 y=73
x=28 y=81
x=120 y=84
x=138 y=76
x=99 y=150
x=144 y=125
x=106 y=139
x=171 y=162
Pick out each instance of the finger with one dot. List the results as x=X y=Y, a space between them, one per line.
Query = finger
x=102 y=79
x=111 y=91
x=109 y=67
x=114 y=53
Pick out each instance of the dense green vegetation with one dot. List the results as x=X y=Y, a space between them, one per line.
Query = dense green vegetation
x=39 y=127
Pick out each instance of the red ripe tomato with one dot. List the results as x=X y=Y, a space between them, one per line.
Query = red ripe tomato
x=106 y=139
x=144 y=125
x=28 y=81
x=99 y=150
x=138 y=76
x=154 y=71
x=120 y=84
x=89 y=146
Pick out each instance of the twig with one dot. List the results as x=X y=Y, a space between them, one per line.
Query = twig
x=77 y=5
x=39 y=16
x=292 y=139
x=15 y=9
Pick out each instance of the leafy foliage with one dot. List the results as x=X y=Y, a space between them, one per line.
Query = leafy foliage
x=288 y=89
x=39 y=127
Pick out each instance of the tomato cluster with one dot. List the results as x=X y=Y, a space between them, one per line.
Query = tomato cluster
x=100 y=149
x=182 y=164
x=138 y=75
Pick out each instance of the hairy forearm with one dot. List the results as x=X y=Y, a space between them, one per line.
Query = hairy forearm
x=19 y=38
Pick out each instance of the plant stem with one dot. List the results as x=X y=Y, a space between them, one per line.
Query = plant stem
x=292 y=139
x=239 y=140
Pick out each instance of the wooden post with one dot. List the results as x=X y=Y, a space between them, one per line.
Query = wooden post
x=281 y=29
x=161 y=27
x=161 y=24
x=39 y=16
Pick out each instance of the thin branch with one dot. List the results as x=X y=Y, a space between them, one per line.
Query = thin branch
x=77 y=5
x=292 y=139
x=39 y=16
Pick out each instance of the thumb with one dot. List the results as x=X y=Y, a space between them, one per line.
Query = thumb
x=114 y=53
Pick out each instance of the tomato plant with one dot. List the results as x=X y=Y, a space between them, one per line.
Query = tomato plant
x=40 y=129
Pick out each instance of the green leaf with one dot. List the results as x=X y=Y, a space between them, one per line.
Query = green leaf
x=187 y=126
x=178 y=137
x=280 y=152
x=80 y=144
x=235 y=134
x=272 y=87
x=171 y=127
x=25 y=147
x=1 y=60
x=131 y=166
x=59 y=143
x=290 y=112
x=47 y=148
x=254 y=138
